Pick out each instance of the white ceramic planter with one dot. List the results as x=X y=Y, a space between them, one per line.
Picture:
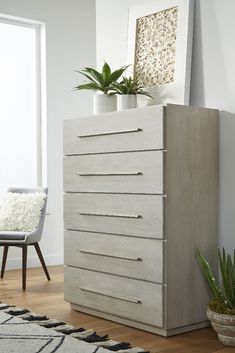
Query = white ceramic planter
x=102 y=103
x=127 y=101
x=224 y=325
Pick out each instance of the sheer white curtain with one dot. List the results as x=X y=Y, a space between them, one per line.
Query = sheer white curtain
x=18 y=108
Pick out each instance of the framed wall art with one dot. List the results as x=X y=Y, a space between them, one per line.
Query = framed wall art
x=160 y=35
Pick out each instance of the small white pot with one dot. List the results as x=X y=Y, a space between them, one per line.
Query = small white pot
x=102 y=103
x=127 y=101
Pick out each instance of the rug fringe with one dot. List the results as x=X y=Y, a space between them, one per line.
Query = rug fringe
x=89 y=336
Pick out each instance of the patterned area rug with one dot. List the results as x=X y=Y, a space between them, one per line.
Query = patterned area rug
x=22 y=331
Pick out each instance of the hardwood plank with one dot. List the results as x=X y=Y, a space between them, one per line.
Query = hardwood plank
x=47 y=298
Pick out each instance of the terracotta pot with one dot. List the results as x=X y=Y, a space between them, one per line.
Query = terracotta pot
x=127 y=101
x=102 y=103
x=224 y=325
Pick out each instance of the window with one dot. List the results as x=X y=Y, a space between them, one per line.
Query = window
x=20 y=105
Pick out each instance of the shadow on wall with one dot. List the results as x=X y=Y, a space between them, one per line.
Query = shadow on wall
x=210 y=82
x=227 y=180
x=197 y=91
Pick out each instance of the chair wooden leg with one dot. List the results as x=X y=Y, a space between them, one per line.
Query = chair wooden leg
x=4 y=259
x=24 y=265
x=37 y=248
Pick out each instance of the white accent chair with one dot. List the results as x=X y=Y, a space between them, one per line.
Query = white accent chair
x=24 y=239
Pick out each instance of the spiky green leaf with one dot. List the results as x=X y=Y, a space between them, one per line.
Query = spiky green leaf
x=231 y=278
x=212 y=282
x=225 y=277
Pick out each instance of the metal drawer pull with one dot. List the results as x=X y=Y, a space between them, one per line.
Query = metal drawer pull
x=109 y=215
x=110 y=133
x=110 y=174
x=125 y=299
x=91 y=252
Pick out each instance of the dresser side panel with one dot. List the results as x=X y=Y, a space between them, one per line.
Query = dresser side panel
x=191 y=217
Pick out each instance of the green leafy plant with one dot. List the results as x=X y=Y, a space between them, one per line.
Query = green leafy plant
x=129 y=86
x=224 y=293
x=100 y=81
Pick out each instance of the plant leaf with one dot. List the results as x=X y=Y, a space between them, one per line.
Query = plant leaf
x=95 y=74
x=231 y=277
x=106 y=72
x=225 y=277
x=117 y=74
x=89 y=86
x=212 y=282
x=90 y=78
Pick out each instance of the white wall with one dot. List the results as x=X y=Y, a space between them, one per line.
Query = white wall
x=70 y=45
x=213 y=78
x=111 y=31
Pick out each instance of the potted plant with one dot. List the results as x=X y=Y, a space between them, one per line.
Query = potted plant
x=127 y=91
x=221 y=309
x=101 y=82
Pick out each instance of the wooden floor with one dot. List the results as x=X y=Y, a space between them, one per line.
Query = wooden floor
x=46 y=297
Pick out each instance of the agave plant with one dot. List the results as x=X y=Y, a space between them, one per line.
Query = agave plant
x=129 y=86
x=100 y=81
x=224 y=293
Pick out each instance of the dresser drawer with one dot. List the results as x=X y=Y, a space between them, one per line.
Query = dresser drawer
x=124 y=297
x=139 y=215
x=127 y=256
x=133 y=172
x=129 y=130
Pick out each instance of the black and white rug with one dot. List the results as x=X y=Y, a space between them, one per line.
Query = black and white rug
x=22 y=331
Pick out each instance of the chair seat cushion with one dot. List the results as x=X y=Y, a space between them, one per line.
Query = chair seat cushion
x=21 y=211
x=12 y=235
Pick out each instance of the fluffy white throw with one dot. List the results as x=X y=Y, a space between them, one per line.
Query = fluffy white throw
x=21 y=212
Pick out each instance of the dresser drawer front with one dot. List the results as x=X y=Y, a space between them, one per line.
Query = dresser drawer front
x=127 y=256
x=124 y=297
x=134 y=172
x=131 y=130
x=138 y=215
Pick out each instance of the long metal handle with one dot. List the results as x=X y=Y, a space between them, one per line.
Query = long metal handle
x=109 y=215
x=126 y=299
x=91 y=252
x=110 y=133
x=110 y=174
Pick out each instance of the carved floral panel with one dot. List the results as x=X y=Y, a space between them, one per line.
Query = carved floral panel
x=156 y=48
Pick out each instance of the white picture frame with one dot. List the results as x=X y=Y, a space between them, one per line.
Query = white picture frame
x=178 y=90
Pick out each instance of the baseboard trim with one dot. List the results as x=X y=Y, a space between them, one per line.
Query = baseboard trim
x=33 y=261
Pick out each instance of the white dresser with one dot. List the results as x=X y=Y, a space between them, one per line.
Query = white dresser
x=141 y=194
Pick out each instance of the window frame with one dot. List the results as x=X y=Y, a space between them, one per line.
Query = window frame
x=41 y=111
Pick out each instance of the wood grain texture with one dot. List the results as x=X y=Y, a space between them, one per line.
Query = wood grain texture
x=140 y=325
x=132 y=119
x=47 y=298
x=149 y=207
x=149 y=251
x=145 y=171
x=123 y=297
x=187 y=218
x=191 y=182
